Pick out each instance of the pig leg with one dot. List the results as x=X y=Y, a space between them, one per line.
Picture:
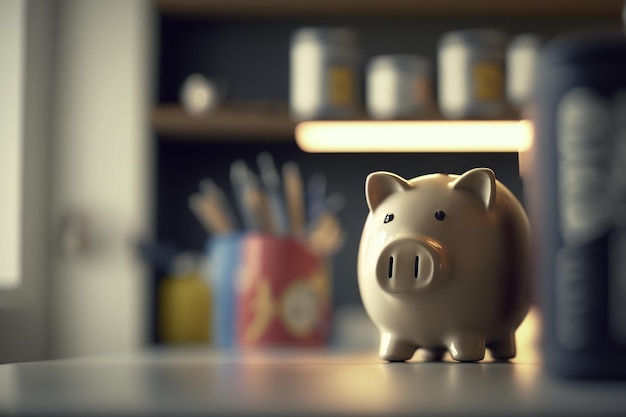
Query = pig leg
x=467 y=347
x=393 y=349
x=503 y=348
x=433 y=354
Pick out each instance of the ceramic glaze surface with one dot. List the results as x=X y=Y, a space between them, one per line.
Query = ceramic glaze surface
x=443 y=265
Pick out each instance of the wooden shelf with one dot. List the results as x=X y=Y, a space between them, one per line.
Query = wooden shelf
x=391 y=8
x=244 y=122
x=240 y=122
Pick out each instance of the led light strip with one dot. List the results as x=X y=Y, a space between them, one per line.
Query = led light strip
x=414 y=136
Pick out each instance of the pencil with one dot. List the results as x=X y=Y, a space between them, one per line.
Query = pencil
x=294 y=197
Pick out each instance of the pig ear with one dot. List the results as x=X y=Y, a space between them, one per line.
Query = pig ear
x=379 y=185
x=481 y=182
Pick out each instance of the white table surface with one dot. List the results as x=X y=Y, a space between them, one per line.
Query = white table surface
x=179 y=382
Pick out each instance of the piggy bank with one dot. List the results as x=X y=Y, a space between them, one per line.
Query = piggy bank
x=443 y=265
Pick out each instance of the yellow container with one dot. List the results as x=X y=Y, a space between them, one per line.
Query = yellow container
x=184 y=310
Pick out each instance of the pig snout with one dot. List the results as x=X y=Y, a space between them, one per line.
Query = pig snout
x=410 y=264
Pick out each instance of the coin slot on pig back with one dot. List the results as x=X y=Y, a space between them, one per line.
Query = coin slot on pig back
x=417 y=266
x=390 y=267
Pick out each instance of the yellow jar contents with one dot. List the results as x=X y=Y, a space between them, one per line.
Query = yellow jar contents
x=184 y=309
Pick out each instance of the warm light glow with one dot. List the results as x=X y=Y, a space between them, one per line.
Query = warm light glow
x=414 y=136
x=527 y=338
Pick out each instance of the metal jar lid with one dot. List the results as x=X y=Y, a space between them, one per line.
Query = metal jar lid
x=331 y=35
x=484 y=37
x=401 y=63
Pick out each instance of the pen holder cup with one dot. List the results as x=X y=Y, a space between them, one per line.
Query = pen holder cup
x=223 y=252
x=282 y=294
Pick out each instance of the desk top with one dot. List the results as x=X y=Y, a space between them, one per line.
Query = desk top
x=295 y=383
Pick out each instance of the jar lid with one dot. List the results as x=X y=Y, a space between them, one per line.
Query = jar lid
x=585 y=48
x=324 y=34
x=526 y=40
x=487 y=37
x=400 y=62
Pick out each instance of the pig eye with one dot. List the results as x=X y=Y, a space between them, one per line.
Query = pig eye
x=440 y=215
x=388 y=218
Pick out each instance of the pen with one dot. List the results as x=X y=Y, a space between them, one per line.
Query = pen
x=239 y=181
x=326 y=235
x=293 y=196
x=271 y=181
x=256 y=200
x=252 y=200
x=211 y=191
x=335 y=202
x=316 y=195
x=209 y=214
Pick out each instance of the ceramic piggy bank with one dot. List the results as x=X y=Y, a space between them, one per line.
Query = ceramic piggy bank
x=443 y=265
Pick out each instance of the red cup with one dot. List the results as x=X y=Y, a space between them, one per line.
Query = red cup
x=283 y=294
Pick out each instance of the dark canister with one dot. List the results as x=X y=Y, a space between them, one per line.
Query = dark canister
x=576 y=189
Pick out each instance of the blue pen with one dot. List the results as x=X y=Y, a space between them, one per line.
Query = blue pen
x=335 y=202
x=316 y=197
